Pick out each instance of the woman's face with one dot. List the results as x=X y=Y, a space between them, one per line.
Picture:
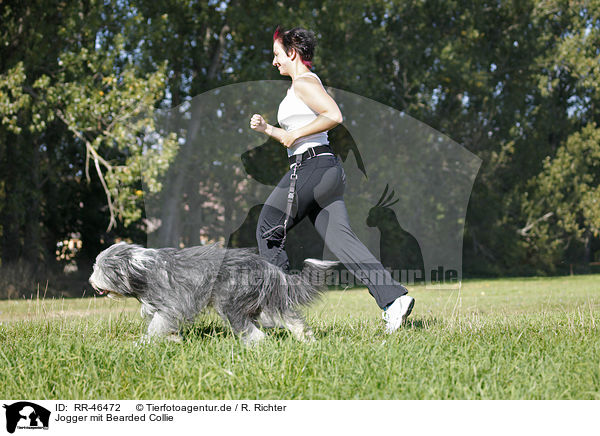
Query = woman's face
x=281 y=59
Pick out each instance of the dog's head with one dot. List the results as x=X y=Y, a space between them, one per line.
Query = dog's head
x=121 y=270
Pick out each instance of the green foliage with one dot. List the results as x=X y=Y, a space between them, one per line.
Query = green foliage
x=514 y=82
x=13 y=99
x=560 y=204
x=568 y=188
x=86 y=95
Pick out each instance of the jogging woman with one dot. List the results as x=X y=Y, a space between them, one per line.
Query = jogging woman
x=315 y=183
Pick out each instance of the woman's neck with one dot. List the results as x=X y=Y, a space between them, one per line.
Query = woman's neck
x=299 y=72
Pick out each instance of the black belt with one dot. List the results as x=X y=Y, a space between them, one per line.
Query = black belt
x=312 y=152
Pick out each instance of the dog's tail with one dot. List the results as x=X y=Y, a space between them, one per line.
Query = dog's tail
x=286 y=291
x=264 y=286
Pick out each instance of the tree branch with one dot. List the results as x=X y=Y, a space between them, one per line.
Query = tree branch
x=90 y=151
x=212 y=70
x=524 y=231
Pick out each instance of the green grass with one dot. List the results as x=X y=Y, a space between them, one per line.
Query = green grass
x=532 y=338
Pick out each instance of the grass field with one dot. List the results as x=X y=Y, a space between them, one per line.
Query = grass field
x=534 y=338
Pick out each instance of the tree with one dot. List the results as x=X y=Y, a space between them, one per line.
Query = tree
x=66 y=107
x=562 y=203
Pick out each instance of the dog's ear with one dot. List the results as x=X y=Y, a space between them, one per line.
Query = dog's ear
x=141 y=258
x=141 y=262
x=120 y=249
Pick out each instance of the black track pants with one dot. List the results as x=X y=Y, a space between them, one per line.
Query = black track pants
x=319 y=195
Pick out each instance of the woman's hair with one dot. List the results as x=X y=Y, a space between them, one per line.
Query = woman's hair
x=301 y=40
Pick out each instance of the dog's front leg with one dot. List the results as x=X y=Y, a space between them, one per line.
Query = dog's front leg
x=161 y=327
x=269 y=320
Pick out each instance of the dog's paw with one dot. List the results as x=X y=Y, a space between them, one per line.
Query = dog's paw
x=143 y=341
x=174 y=338
x=307 y=338
x=148 y=339
x=252 y=337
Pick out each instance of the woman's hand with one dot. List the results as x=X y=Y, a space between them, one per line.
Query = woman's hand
x=288 y=138
x=258 y=123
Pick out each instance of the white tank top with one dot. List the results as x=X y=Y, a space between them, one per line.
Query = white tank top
x=293 y=113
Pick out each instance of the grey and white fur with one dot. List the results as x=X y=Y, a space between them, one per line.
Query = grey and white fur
x=175 y=285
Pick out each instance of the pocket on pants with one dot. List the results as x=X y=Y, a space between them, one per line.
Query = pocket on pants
x=343 y=175
x=325 y=161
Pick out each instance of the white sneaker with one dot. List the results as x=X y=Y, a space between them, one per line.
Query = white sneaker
x=397 y=312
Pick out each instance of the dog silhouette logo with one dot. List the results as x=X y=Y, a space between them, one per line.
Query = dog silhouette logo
x=25 y=415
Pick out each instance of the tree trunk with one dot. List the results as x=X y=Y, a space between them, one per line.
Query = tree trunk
x=11 y=210
x=587 y=251
x=32 y=249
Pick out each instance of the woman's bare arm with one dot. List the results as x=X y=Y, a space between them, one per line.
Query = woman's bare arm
x=310 y=91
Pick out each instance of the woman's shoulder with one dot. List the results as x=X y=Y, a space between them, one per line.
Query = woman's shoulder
x=306 y=85
x=307 y=81
x=309 y=74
